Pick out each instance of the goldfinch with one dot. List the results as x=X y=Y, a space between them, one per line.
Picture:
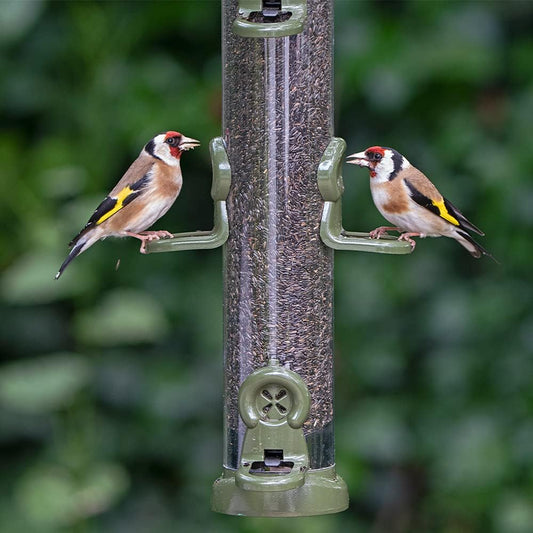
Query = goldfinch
x=407 y=199
x=143 y=195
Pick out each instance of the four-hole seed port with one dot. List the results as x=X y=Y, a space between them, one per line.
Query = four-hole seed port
x=270 y=18
x=273 y=404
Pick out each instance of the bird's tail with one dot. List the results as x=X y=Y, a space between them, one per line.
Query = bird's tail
x=79 y=244
x=475 y=249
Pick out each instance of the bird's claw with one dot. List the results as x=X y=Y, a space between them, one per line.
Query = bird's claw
x=377 y=233
x=407 y=237
x=149 y=236
x=158 y=234
x=382 y=230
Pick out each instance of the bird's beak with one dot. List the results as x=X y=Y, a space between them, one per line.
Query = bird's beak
x=187 y=143
x=359 y=159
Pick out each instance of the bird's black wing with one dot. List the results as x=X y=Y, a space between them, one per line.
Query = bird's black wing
x=463 y=221
x=442 y=208
x=112 y=204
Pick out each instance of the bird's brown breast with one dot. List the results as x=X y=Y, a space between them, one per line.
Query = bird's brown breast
x=391 y=197
x=395 y=205
x=167 y=180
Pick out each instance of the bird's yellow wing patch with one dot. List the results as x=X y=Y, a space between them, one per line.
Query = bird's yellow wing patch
x=120 y=202
x=441 y=208
x=444 y=213
x=113 y=204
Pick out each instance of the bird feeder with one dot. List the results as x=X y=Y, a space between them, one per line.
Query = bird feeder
x=277 y=188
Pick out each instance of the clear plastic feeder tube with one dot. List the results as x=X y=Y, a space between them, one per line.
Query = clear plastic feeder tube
x=278 y=286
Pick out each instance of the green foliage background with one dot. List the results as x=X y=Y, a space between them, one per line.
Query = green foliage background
x=111 y=382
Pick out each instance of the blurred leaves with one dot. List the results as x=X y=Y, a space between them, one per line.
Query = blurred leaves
x=514 y=514
x=52 y=496
x=378 y=432
x=28 y=280
x=17 y=17
x=45 y=384
x=123 y=317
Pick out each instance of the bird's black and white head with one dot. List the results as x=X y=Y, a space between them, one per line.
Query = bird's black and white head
x=169 y=146
x=384 y=163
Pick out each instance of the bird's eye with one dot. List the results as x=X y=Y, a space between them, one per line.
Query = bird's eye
x=377 y=156
x=172 y=141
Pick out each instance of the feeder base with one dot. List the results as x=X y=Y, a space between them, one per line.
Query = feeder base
x=324 y=492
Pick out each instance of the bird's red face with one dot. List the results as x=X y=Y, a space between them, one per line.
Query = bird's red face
x=169 y=146
x=178 y=143
x=370 y=158
x=384 y=163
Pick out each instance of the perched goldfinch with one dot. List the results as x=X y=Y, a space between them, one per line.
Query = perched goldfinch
x=407 y=199
x=141 y=197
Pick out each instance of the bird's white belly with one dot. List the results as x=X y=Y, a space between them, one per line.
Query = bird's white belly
x=151 y=213
x=412 y=224
x=416 y=219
